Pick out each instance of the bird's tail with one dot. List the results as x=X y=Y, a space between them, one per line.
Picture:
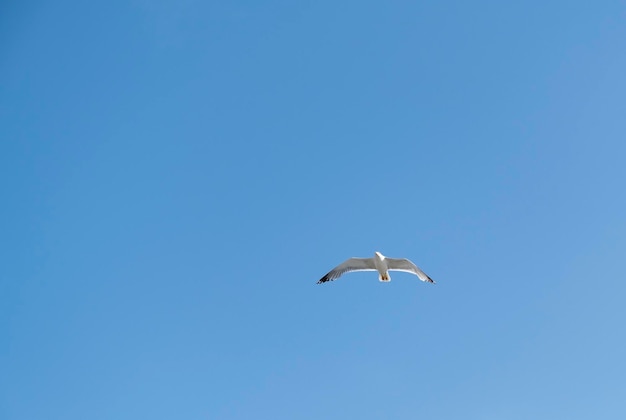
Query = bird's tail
x=384 y=277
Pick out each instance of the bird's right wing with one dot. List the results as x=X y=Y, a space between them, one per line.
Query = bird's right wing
x=402 y=264
x=352 y=264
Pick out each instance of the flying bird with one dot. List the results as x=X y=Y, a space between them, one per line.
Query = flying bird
x=378 y=263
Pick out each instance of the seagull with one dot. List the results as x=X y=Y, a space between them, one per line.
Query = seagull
x=378 y=263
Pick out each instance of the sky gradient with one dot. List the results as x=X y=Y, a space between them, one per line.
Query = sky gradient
x=176 y=176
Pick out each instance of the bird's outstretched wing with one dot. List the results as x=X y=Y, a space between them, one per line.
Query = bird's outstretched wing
x=402 y=264
x=352 y=264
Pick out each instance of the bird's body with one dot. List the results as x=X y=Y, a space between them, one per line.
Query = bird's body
x=382 y=267
x=378 y=263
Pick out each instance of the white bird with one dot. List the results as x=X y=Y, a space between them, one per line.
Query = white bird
x=378 y=263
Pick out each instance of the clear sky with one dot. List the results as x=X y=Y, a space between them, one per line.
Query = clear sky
x=177 y=175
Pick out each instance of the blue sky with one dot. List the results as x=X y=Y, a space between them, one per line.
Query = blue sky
x=176 y=176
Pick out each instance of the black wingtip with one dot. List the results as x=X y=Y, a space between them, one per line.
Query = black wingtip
x=325 y=279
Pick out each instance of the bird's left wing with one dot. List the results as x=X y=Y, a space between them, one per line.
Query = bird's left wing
x=352 y=264
x=402 y=264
